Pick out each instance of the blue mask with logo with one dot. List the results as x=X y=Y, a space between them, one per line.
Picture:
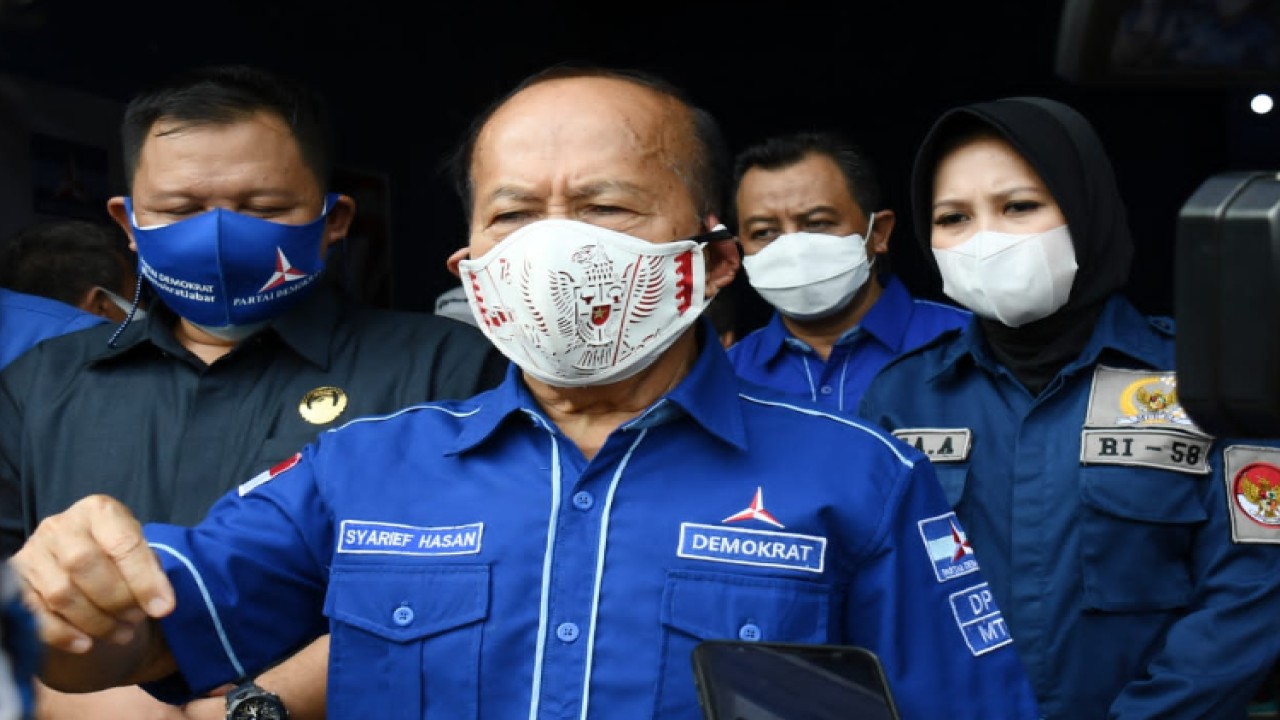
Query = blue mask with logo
x=222 y=269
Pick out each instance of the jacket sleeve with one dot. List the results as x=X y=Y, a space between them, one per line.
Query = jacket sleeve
x=932 y=620
x=249 y=579
x=1217 y=653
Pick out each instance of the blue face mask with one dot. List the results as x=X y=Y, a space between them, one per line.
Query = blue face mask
x=223 y=269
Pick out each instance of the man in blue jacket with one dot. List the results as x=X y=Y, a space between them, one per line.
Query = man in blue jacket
x=816 y=236
x=555 y=547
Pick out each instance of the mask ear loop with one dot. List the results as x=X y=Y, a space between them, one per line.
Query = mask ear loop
x=133 y=309
x=871 y=261
x=719 y=232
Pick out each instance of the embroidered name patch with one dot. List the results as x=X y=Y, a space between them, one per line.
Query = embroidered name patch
x=752 y=547
x=948 y=547
x=1252 y=474
x=940 y=444
x=979 y=619
x=1164 y=449
x=367 y=537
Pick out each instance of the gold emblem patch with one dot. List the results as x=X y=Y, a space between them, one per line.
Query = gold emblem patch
x=322 y=405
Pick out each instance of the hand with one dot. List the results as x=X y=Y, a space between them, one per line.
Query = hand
x=89 y=576
x=122 y=703
x=212 y=706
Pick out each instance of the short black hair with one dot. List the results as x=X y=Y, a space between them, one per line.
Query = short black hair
x=784 y=151
x=221 y=94
x=705 y=174
x=65 y=259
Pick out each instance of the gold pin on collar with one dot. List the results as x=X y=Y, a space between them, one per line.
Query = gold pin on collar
x=322 y=405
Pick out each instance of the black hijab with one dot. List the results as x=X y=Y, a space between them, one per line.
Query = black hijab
x=1063 y=148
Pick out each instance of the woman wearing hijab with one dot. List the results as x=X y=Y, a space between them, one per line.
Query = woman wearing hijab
x=1126 y=547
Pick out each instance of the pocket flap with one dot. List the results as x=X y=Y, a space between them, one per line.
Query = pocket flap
x=715 y=605
x=403 y=603
x=1145 y=495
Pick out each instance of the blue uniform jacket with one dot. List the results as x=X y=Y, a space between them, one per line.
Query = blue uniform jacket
x=895 y=324
x=472 y=564
x=27 y=319
x=1120 y=542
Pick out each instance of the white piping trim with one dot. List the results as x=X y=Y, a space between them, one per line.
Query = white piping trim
x=398 y=413
x=208 y=604
x=844 y=370
x=813 y=391
x=842 y=420
x=540 y=652
x=600 y=548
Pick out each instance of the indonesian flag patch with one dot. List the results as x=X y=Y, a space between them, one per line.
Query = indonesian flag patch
x=267 y=475
x=1252 y=474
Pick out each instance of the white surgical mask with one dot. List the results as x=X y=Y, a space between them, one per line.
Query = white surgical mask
x=809 y=276
x=574 y=304
x=124 y=305
x=1013 y=279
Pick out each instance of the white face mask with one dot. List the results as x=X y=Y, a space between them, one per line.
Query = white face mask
x=573 y=304
x=1013 y=279
x=809 y=276
x=124 y=305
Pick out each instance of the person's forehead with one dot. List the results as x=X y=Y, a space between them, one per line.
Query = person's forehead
x=590 y=117
x=814 y=179
x=260 y=145
x=984 y=161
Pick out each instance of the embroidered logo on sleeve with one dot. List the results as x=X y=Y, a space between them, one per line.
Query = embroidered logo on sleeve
x=979 y=619
x=364 y=537
x=1252 y=474
x=948 y=547
x=1134 y=418
x=940 y=444
x=267 y=475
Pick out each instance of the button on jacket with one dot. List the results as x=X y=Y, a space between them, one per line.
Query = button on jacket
x=473 y=564
x=27 y=319
x=151 y=424
x=1113 y=561
x=896 y=323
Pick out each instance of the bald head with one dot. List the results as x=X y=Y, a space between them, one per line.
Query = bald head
x=661 y=125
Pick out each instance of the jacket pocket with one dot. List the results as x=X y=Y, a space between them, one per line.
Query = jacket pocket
x=699 y=606
x=1137 y=526
x=407 y=639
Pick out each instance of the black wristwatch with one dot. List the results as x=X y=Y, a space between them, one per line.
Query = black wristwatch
x=250 y=702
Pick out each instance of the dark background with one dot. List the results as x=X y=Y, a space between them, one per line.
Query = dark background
x=405 y=77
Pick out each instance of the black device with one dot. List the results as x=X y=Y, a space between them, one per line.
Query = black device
x=741 y=680
x=250 y=702
x=1227 y=304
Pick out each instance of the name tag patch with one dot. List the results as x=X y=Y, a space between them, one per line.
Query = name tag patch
x=979 y=619
x=948 y=547
x=379 y=538
x=1164 y=449
x=763 y=548
x=940 y=444
x=1252 y=474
